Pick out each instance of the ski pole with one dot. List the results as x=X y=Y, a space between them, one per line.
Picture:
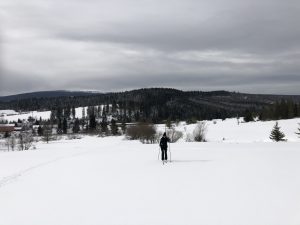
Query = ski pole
x=158 y=152
x=170 y=152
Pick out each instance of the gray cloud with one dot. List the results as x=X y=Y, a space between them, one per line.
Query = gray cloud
x=251 y=46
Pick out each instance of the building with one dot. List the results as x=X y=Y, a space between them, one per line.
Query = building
x=6 y=128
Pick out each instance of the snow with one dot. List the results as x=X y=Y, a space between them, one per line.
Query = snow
x=11 y=115
x=113 y=181
x=25 y=115
x=5 y=112
x=230 y=131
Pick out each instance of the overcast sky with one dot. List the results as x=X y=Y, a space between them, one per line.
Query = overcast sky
x=111 y=45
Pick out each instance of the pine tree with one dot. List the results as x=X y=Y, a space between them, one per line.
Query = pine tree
x=59 y=126
x=47 y=132
x=276 y=134
x=103 y=125
x=248 y=116
x=93 y=122
x=65 y=126
x=83 y=112
x=114 y=127
x=40 y=131
x=76 y=127
x=73 y=112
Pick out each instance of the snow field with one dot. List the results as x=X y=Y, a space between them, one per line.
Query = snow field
x=230 y=131
x=11 y=115
x=113 y=181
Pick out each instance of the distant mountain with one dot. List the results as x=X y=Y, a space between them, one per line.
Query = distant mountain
x=45 y=94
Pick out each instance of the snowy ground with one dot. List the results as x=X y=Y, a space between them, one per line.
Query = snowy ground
x=112 y=181
x=11 y=115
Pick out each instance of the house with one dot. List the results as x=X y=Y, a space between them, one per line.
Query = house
x=6 y=128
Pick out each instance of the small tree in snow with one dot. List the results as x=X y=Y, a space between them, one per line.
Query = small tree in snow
x=25 y=140
x=276 y=134
x=47 y=132
x=174 y=135
x=199 y=132
x=298 y=131
x=11 y=142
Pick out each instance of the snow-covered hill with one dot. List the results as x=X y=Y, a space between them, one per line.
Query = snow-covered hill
x=230 y=130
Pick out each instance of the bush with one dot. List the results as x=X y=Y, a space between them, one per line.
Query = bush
x=25 y=140
x=142 y=131
x=199 y=132
x=174 y=135
x=189 y=138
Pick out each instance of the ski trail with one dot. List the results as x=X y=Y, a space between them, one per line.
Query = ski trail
x=8 y=179
x=11 y=178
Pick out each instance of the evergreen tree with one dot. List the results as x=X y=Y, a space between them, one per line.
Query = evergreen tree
x=6 y=135
x=103 y=125
x=76 y=127
x=83 y=112
x=67 y=112
x=52 y=115
x=296 y=113
x=114 y=107
x=47 y=131
x=276 y=134
x=59 y=113
x=59 y=126
x=92 y=121
x=73 y=112
x=40 y=131
x=99 y=111
x=248 y=116
x=114 y=127
x=65 y=126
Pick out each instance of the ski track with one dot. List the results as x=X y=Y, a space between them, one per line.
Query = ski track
x=8 y=179
x=11 y=178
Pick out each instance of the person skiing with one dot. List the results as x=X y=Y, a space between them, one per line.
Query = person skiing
x=164 y=147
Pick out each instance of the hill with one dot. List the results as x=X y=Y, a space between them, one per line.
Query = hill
x=154 y=104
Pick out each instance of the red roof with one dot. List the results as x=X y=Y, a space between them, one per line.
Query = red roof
x=7 y=128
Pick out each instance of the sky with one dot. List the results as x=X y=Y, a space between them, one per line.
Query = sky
x=250 y=46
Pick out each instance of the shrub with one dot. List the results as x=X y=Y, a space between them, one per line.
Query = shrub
x=143 y=131
x=174 y=135
x=199 y=132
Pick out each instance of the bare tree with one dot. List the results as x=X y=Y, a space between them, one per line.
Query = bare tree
x=47 y=132
x=7 y=143
x=28 y=140
x=11 y=142
x=199 y=132
x=25 y=140
x=174 y=135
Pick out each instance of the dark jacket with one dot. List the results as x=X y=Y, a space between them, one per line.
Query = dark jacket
x=164 y=142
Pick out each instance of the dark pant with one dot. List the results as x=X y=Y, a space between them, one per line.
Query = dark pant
x=164 y=155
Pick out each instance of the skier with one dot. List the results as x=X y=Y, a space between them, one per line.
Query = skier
x=164 y=147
